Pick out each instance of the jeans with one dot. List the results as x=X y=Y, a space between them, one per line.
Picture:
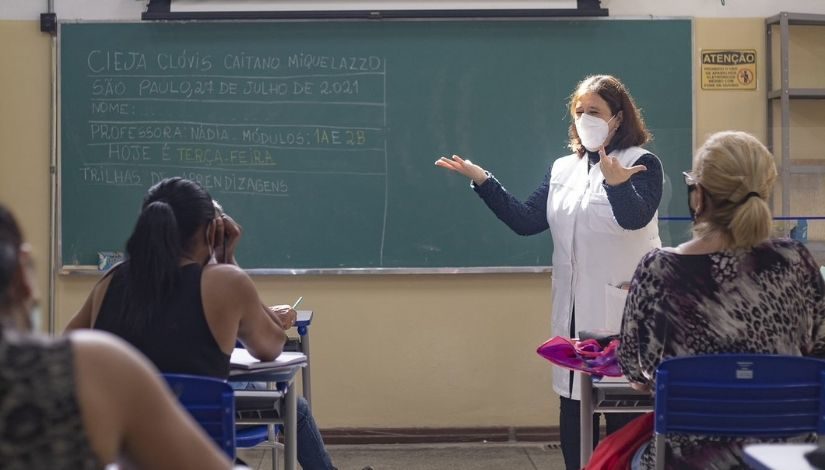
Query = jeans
x=312 y=455
x=570 y=428
x=636 y=463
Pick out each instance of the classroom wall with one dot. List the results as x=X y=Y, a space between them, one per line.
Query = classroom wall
x=388 y=351
x=807 y=124
x=25 y=124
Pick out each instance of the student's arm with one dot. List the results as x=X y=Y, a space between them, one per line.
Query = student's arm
x=85 y=317
x=227 y=235
x=129 y=413
x=640 y=349
x=232 y=307
x=812 y=289
x=818 y=309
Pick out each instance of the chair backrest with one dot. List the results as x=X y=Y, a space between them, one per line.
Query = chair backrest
x=211 y=402
x=740 y=395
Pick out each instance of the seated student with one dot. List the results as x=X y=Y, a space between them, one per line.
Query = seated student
x=730 y=289
x=182 y=300
x=85 y=400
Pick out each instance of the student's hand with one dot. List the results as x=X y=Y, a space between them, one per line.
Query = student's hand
x=613 y=171
x=465 y=167
x=285 y=314
x=227 y=235
x=277 y=319
x=640 y=387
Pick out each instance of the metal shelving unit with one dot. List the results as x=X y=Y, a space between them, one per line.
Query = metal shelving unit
x=784 y=93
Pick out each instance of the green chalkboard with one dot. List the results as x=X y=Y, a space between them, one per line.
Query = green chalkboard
x=320 y=136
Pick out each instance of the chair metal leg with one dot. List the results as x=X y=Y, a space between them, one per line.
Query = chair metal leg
x=585 y=417
x=306 y=372
x=659 y=441
x=291 y=430
x=272 y=440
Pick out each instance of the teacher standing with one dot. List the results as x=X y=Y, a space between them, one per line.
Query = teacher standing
x=600 y=205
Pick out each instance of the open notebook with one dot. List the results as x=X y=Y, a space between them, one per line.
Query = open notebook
x=241 y=359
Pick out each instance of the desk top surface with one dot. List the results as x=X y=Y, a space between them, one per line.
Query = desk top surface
x=304 y=318
x=275 y=374
x=282 y=369
x=617 y=384
x=778 y=456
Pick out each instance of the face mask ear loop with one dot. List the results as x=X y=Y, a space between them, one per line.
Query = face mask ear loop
x=611 y=133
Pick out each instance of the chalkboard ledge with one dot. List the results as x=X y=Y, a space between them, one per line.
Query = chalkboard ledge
x=383 y=271
x=79 y=269
x=71 y=270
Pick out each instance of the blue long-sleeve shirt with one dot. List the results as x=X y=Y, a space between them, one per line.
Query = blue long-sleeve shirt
x=633 y=202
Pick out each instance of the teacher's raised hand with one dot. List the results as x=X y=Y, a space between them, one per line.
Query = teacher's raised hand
x=613 y=171
x=465 y=167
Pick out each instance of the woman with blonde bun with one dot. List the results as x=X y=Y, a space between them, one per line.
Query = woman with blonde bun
x=730 y=289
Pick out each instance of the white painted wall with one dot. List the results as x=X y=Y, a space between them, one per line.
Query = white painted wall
x=131 y=9
x=711 y=8
x=73 y=9
x=21 y=9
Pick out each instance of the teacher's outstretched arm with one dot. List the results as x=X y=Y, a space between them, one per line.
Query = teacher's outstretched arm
x=524 y=218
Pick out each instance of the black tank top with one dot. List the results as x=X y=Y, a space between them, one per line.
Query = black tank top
x=178 y=339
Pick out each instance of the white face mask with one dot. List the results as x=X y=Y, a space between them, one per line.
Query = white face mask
x=592 y=131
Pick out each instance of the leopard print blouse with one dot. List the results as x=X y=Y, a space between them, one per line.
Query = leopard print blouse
x=770 y=299
x=40 y=422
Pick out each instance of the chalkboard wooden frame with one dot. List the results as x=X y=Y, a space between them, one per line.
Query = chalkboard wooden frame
x=67 y=267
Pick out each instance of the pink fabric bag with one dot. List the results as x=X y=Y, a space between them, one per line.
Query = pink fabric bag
x=583 y=356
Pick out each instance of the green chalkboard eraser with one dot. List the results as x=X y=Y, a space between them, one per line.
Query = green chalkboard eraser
x=107 y=259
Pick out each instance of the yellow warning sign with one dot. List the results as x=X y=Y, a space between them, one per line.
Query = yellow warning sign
x=729 y=69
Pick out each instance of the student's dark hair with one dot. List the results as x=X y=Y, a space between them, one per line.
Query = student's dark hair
x=173 y=210
x=11 y=239
x=630 y=133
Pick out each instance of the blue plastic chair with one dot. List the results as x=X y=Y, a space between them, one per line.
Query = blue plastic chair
x=253 y=436
x=247 y=437
x=212 y=403
x=738 y=395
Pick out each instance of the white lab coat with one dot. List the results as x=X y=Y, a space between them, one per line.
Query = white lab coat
x=592 y=253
